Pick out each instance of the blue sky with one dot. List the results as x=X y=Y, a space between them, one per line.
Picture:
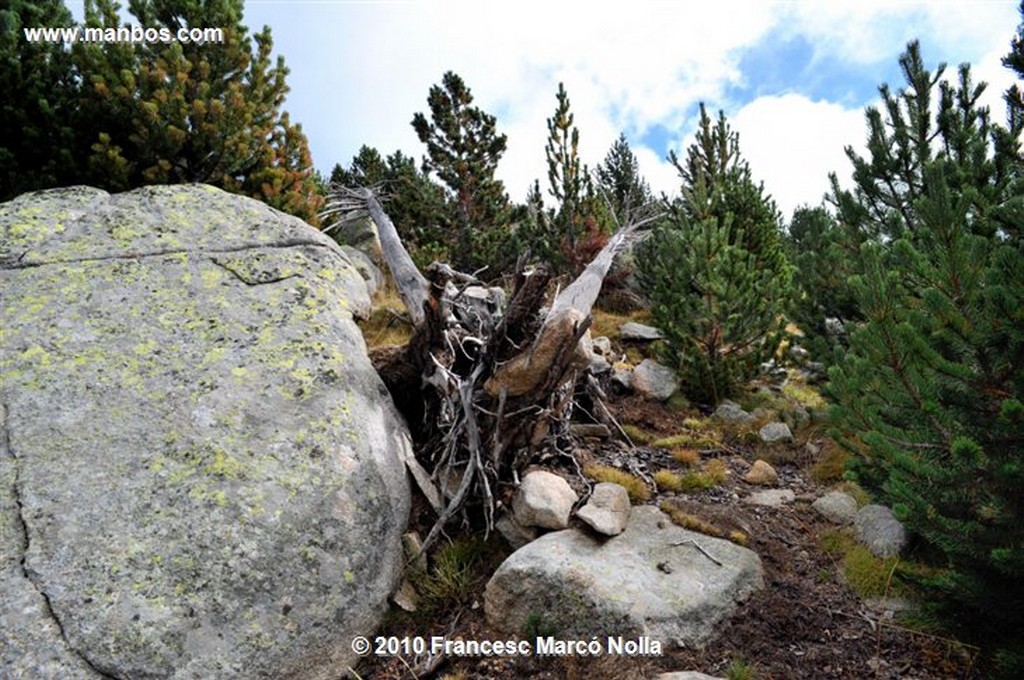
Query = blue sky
x=792 y=77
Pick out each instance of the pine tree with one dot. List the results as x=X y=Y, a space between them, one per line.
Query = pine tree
x=36 y=113
x=194 y=112
x=931 y=390
x=415 y=204
x=715 y=273
x=463 y=149
x=567 y=178
x=619 y=180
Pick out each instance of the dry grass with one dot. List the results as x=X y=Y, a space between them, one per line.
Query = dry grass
x=713 y=474
x=638 y=435
x=686 y=456
x=805 y=395
x=690 y=440
x=636 y=488
x=608 y=323
x=388 y=323
x=694 y=523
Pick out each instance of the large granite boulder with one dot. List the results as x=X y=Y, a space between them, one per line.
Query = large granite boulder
x=200 y=471
x=655 y=579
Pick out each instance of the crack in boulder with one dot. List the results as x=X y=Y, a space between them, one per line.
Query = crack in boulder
x=7 y=451
x=14 y=263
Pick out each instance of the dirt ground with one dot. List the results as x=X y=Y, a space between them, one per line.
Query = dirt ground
x=805 y=623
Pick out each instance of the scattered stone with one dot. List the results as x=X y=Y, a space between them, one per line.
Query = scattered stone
x=623 y=377
x=581 y=586
x=772 y=369
x=654 y=381
x=731 y=412
x=638 y=332
x=406 y=598
x=837 y=507
x=596 y=430
x=599 y=365
x=814 y=372
x=607 y=511
x=761 y=473
x=796 y=418
x=515 y=533
x=221 y=491
x=544 y=500
x=771 y=498
x=602 y=346
x=412 y=546
x=799 y=354
x=880 y=531
x=775 y=432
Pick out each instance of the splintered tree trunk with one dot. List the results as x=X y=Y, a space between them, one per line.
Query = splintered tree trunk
x=482 y=389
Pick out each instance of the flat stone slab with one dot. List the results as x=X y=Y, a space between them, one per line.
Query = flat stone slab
x=837 y=507
x=650 y=580
x=632 y=330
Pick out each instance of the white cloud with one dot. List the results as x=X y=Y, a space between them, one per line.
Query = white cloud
x=792 y=143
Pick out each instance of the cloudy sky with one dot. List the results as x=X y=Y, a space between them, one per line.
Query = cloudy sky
x=792 y=77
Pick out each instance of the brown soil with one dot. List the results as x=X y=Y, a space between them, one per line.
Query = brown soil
x=805 y=623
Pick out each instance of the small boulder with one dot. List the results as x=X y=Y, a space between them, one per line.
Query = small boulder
x=654 y=381
x=607 y=511
x=602 y=346
x=544 y=500
x=515 y=533
x=880 y=531
x=650 y=580
x=775 y=432
x=771 y=498
x=761 y=473
x=622 y=377
x=837 y=507
x=638 y=332
x=598 y=364
x=731 y=412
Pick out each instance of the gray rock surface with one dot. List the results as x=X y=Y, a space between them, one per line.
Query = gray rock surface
x=607 y=510
x=775 y=432
x=771 y=498
x=543 y=500
x=649 y=580
x=880 y=531
x=654 y=381
x=837 y=507
x=632 y=330
x=371 y=273
x=199 y=468
x=731 y=412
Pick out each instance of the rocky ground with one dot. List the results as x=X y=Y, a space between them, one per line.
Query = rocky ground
x=806 y=623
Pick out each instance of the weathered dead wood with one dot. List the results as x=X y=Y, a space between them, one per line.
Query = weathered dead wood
x=482 y=390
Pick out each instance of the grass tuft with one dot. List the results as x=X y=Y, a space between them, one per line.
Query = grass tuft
x=688 y=457
x=638 y=435
x=690 y=440
x=636 y=488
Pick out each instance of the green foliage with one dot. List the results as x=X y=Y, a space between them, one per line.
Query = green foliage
x=37 y=110
x=620 y=182
x=463 y=149
x=569 y=237
x=929 y=391
x=414 y=203
x=715 y=273
x=159 y=113
x=119 y=115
